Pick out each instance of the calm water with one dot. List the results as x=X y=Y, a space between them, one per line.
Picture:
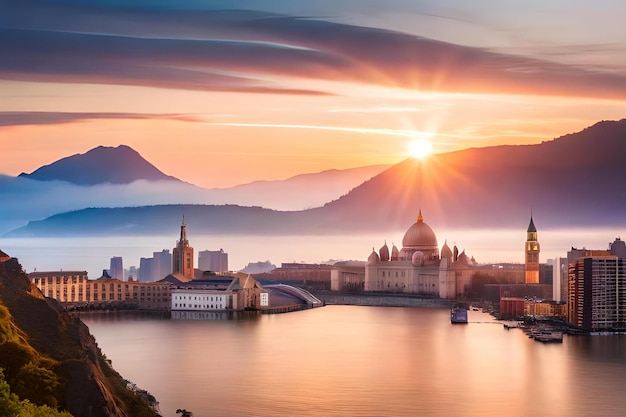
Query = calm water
x=362 y=361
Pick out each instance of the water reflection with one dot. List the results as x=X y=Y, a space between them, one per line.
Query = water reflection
x=363 y=361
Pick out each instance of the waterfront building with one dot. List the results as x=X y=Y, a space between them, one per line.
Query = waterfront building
x=74 y=288
x=516 y=307
x=597 y=293
x=182 y=255
x=239 y=292
x=116 y=269
x=213 y=260
x=419 y=267
x=348 y=276
x=532 y=254
x=316 y=276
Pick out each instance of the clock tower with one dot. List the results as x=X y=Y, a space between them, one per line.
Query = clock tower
x=532 y=254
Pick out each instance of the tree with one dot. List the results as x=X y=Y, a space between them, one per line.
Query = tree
x=184 y=413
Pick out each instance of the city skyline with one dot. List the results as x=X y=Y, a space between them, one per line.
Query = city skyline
x=268 y=90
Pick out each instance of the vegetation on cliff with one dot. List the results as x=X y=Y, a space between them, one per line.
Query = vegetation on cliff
x=51 y=362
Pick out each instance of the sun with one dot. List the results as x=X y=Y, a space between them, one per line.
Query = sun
x=420 y=148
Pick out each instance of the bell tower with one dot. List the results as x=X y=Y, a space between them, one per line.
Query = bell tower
x=182 y=256
x=532 y=254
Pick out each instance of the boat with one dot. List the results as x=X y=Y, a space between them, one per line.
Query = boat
x=458 y=315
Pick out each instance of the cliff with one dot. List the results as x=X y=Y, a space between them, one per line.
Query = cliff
x=67 y=370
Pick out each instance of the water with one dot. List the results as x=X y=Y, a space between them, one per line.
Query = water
x=361 y=361
x=93 y=253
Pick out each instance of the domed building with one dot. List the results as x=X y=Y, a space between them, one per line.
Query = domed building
x=420 y=267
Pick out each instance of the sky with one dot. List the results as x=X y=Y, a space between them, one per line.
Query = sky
x=220 y=93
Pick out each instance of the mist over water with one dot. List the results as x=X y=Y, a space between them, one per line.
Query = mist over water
x=361 y=361
x=93 y=254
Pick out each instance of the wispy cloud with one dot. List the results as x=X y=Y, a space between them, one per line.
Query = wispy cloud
x=48 y=118
x=253 y=51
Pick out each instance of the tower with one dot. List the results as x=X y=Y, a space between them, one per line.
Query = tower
x=532 y=254
x=182 y=256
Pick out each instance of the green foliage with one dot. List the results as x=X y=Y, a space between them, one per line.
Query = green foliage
x=36 y=384
x=13 y=356
x=10 y=404
x=6 y=331
x=184 y=413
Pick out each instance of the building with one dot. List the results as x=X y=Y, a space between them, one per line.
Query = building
x=116 y=269
x=182 y=255
x=162 y=264
x=240 y=292
x=348 y=276
x=146 y=266
x=213 y=260
x=532 y=254
x=559 y=279
x=74 y=288
x=419 y=268
x=597 y=293
x=316 y=276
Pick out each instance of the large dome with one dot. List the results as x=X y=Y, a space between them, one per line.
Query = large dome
x=420 y=237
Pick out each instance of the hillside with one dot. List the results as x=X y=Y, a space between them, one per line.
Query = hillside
x=51 y=359
x=119 y=165
x=572 y=181
x=569 y=181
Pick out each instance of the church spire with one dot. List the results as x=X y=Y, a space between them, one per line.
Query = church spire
x=531 y=226
x=420 y=219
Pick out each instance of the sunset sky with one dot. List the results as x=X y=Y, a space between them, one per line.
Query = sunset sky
x=220 y=93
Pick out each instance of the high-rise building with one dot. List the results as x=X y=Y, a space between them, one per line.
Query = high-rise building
x=116 y=269
x=162 y=265
x=532 y=254
x=146 y=266
x=213 y=260
x=182 y=255
x=597 y=293
x=559 y=279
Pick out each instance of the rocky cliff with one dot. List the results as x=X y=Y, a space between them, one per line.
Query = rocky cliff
x=39 y=340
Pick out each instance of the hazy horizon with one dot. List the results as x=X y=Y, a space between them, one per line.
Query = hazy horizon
x=486 y=246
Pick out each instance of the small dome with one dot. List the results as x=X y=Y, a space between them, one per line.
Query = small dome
x=446 y=252
x=418 y=258
x=420 y=236
x=373 y=259
x=384 y=253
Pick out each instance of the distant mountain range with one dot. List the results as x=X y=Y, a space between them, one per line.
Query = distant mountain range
x=121 y=177
x=575 y=180
x=101 y=165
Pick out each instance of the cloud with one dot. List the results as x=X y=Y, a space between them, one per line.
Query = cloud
x=48 y=118
x=254 y=51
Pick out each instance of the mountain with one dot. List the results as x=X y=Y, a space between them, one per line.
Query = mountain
x=572 y=181
x=50 y=359
x=101 y=165
x=24 y=198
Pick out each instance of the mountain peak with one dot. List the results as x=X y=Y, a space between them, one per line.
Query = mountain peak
x=103 y=164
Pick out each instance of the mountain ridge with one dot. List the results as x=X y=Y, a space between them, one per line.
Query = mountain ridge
x=102 y=164
x=568 y=181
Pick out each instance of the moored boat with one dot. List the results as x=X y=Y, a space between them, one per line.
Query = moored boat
x=458 y=315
